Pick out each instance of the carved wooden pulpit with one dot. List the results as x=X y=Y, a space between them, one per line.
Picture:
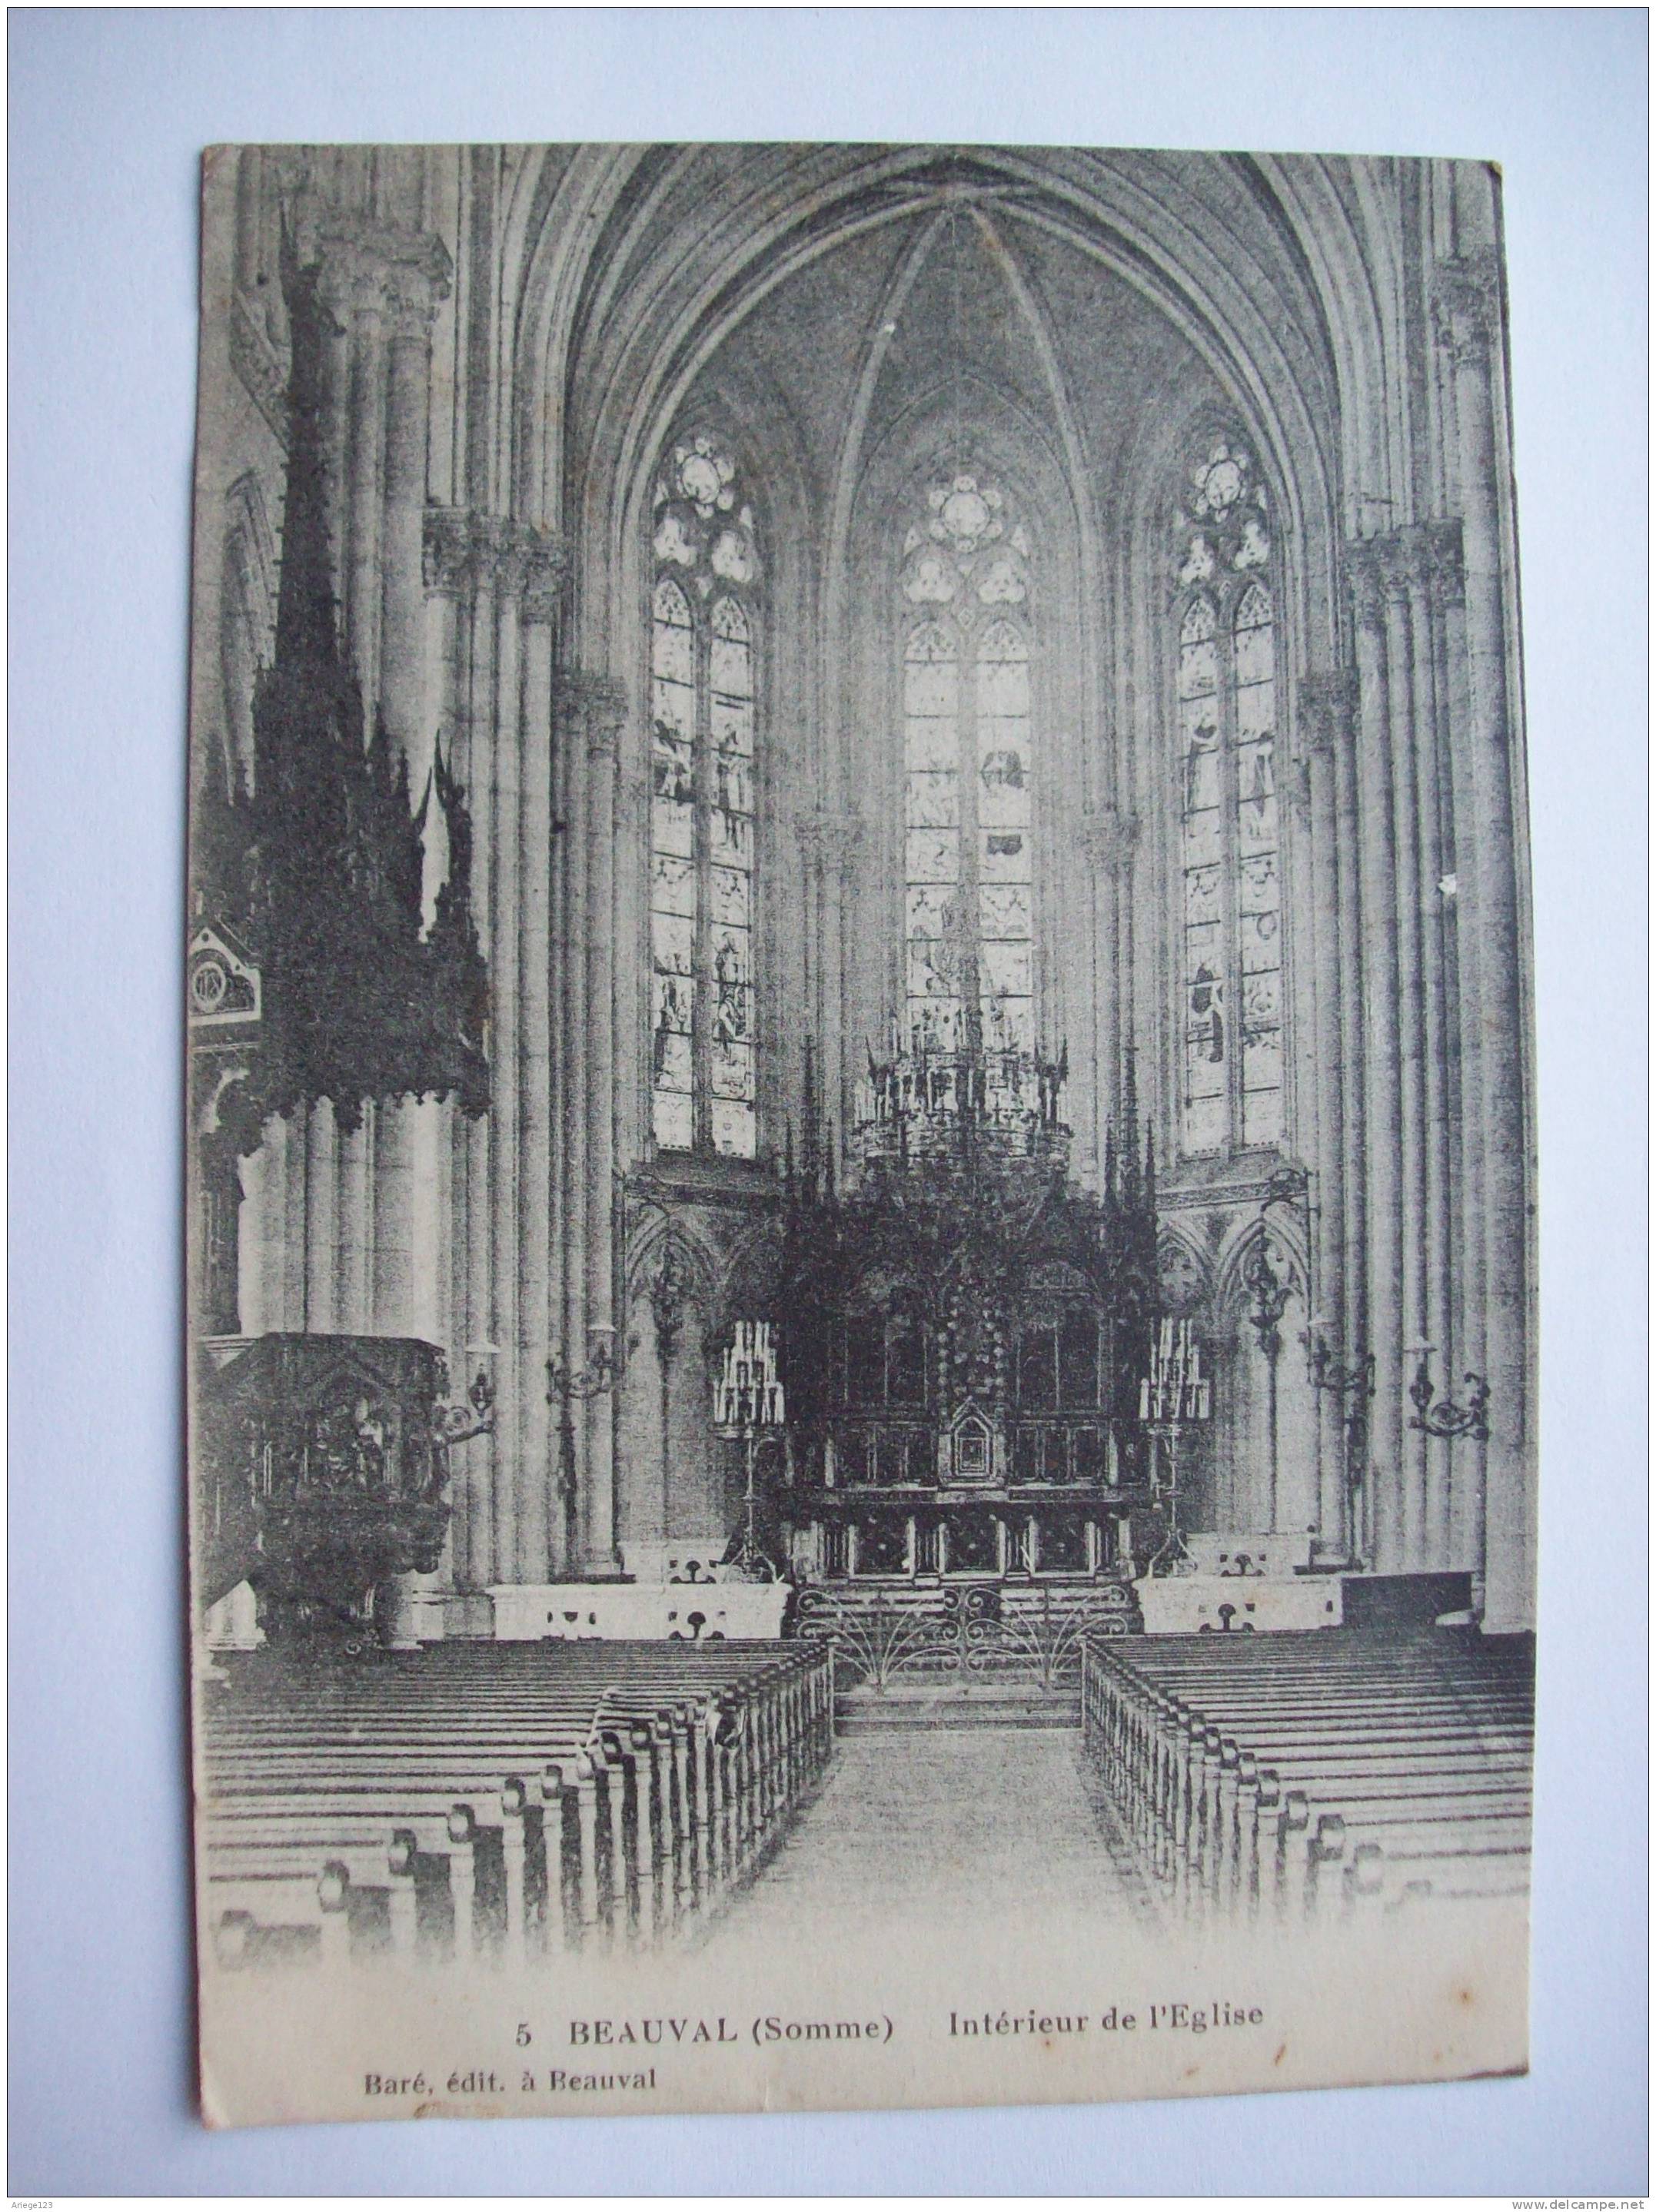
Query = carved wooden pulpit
x=322 y=1467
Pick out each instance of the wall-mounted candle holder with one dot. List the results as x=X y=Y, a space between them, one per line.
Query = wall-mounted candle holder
x=1444 y=1418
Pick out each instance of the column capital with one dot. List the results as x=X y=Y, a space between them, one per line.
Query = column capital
x=464 y=548
x=1327 y=706
x=1408 y=558
x=1109 y=838
x=596 y=702
x=1395 y=565
x=1297 y=784
x=1466 y=304
x=1446 y=571
x=368 y=267
x=831 y=839
x=447 y=549
x=1366 y=573
x=632 y=800
x=545 y=566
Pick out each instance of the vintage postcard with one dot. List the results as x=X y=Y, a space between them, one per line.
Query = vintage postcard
x=862 y=1282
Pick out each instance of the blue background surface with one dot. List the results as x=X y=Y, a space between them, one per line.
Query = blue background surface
x=109 y=111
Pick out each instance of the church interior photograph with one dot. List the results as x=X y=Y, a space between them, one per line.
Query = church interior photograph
x=859 y=1012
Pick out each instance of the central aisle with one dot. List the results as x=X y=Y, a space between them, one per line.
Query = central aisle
x=909 y=1822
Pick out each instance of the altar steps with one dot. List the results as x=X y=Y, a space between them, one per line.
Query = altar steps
x=869 y=1712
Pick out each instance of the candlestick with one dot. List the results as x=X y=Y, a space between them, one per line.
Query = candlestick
x=1173 y=1394
x=750 y=1405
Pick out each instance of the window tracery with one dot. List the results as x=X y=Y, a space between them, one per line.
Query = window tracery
x=1228 y=837
x=968 y=804
x=703 y=708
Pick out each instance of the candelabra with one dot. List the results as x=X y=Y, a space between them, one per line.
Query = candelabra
x=1173 y=1395
x=1271 y=1299
x=1351 y=1387
x=1445 y=1418
x=748 y=1407
x=566 y=1388
x=454 y=1425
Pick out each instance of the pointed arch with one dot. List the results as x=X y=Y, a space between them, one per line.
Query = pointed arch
x=691 y=1252
x=1266 y=1406
x=1254 y=610
x=1284 y=1245
x=1184 y=1270
x=730 y=625
x=670 y=605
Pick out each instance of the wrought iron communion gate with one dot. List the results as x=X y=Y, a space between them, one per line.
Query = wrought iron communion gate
x=987 y=1633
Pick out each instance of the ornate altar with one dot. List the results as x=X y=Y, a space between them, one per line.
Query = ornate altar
x=322 y=1467
x=962 y=1335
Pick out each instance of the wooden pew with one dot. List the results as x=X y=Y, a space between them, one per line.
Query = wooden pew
x=1276 y=1776
x=552 y=1793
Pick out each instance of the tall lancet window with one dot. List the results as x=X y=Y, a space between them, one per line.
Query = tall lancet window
x=703 y=705
x=1230 y=877
x=968 y=796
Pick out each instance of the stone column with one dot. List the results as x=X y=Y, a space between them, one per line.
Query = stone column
x=1344 y=726
x=1465 y=1043
x=412 y=287
x=817 y=963
x=373 y=1242
x=591 y=712
x=409 y=1235
x=1382 y=1544
x=448 y=579
x=539 y=977
x=476 y=766
x=493 y=583
x=1401 y=575
x=574 y=920
x=1326 y=707
x=833 y=845
x=607 y=713
x=506 y=580
x=380 y=285
x=1126 y=993
x=360 y=308
x=1111 y=839
x=321 y=1162
x=1421 y=561
x=1468 y=305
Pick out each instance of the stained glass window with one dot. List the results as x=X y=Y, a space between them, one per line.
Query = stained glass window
x=968 y=818
x=1005 y=885
x=1206 y=1035
x=1229 y=870
x=674 y=902
x=931 y=695
x=1259 y=885
x=703 y=704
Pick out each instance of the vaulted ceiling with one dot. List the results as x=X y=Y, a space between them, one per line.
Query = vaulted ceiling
x=954 y=310
x=847 y=292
